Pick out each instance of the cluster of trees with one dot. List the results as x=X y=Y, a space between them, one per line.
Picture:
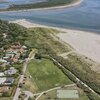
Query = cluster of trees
x=10 y=33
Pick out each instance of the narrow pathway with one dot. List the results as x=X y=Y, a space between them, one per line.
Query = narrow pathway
x=65 y=55
x=29 y=94
x=53 y=89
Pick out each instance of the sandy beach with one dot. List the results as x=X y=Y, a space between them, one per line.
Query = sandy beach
x=49 y=8
x=85 y=43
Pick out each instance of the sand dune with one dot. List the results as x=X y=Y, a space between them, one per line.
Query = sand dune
x=86 y=43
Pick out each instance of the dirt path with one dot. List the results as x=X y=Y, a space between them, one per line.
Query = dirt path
x=53 y=89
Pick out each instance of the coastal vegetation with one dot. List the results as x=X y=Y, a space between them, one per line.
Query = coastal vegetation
x=41 y=39
x=75 y=63
x=10 y=33
x=44 y=4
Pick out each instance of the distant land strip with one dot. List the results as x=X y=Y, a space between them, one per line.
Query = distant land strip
x=50 y=4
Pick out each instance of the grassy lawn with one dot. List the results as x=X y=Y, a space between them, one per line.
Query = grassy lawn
x=46 y=75
x=53 y=94
x=6 y=98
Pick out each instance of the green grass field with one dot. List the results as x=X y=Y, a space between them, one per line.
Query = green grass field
x=46 y=75
x=6 y=98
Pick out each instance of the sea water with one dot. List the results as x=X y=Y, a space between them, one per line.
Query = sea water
x=85 y=16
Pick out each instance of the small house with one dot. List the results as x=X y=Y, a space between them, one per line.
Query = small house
x=11 y=71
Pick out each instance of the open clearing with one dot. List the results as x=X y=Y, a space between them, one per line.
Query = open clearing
x=46 y=75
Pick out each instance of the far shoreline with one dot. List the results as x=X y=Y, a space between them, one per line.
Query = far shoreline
x=47 y=8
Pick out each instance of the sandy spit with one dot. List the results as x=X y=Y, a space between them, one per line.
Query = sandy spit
x=49 y=8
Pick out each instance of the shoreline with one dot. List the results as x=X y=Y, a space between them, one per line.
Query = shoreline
x=85 y=43
x=29 y=24
x=48 y=8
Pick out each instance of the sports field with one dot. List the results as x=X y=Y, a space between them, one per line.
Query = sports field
x=67 y=94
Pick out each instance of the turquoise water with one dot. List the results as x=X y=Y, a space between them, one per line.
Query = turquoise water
x=85 y=16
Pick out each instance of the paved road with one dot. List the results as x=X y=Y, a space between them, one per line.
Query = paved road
x=29 y=94
x=17 y=94
x=18 y=90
